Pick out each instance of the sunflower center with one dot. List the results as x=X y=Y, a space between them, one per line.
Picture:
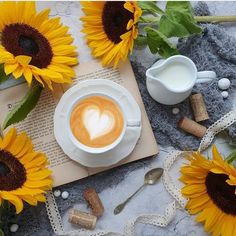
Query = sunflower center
x=12 y=172
x=28 y=45
x=115 y=19
x=22 y=39
x=4 y=169
x=222 y=194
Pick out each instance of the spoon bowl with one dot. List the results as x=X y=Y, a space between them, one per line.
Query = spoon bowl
x=150 y=178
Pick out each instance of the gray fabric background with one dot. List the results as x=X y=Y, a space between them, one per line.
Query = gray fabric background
x=213 y=50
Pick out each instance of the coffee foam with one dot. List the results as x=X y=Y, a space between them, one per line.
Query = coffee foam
x=96 y=121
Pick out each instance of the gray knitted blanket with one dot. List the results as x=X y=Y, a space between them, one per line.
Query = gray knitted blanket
x=214 y=50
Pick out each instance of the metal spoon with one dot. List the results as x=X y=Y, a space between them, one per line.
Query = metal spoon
x=150 y=178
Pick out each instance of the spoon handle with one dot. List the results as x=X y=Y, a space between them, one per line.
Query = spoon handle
x=121 y=206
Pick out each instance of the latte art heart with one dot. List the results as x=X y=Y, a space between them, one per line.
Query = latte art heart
x=98 y=124
x=96 y=121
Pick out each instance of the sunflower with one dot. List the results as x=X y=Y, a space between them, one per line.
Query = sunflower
x=23 y=172
x=35 y=46
x=210 y=189
x=110 y=29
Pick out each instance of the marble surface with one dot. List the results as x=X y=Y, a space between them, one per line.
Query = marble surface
x=153 y=199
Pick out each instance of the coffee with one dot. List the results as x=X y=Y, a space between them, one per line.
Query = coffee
x=96 y=121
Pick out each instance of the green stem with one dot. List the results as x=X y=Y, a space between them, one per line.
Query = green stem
x=200 y=19
x=1 y=133
x=215 y=19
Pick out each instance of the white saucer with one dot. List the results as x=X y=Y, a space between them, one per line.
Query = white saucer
x=128 y=105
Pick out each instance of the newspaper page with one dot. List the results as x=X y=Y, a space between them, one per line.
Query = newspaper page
x=39 y=123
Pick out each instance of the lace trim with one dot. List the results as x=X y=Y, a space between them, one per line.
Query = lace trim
x=214 y=129
x=172 y=189
x=220 y=125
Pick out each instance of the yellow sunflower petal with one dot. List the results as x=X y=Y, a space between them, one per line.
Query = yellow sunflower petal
x=62 y=31
x=27 y=191
x=234 y=232
x=198 y=201
x=62 y=69
x=39 y=175
x=28 y=75
x=29 y=157
x=38 y=184
x=18 y=144
x=38 y=160
x=16 y=201
x=193 y=188
x=33 y=169
x=24 y=60
x=128 y=6
x=18 y=72
x=197 y=209
x=65 y=60
x=28 y=147
x=64 y=50
x=8 y=139
x=213 y=215
x=227 y=228
x=42 y=16
x=40 y=198
x=29 y=199
x=191 y=180
x=61 y=41
x=9 y=68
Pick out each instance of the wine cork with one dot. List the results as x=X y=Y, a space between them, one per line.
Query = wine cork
x=94 y=201
x=82 y=219
x=199 y=107
x=192 y=127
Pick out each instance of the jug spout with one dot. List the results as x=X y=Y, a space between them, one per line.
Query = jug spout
x=151 y=75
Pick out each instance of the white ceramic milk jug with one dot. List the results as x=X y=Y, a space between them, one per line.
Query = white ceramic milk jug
x=171 y=81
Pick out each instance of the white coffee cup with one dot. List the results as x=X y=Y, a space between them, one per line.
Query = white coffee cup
x=96 y=150
x=171 y=81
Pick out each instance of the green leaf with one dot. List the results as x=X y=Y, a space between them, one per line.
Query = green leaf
x=158 y=43
x=3 y=76
x=26 y=105
x=140 y=41
x=231 y=157
x=1 y=233
x=183 y=6
x=178 y=20
x=150 y=6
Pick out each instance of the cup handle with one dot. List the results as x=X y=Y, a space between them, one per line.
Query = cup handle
x=205 y=76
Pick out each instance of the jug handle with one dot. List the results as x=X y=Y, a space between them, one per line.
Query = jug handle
x=205 y=76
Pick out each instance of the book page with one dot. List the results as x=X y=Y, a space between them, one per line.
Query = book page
x=39 y=123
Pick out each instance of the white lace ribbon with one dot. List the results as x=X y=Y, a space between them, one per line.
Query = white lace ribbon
x=172 y=189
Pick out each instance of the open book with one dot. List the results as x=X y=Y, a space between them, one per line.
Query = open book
x=39 y=123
